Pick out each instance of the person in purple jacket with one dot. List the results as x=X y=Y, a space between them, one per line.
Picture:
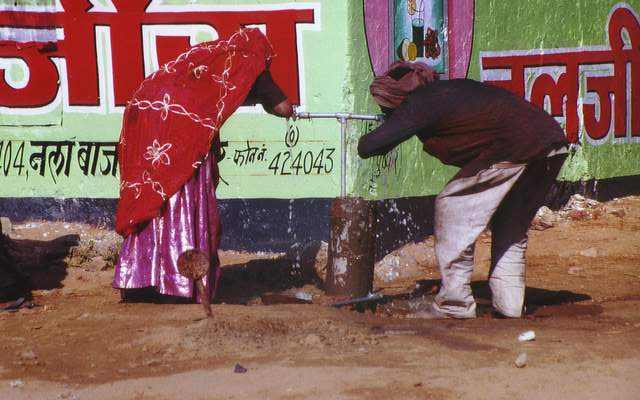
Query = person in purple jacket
x=509 y=152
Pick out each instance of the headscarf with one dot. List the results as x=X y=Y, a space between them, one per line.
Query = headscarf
x=174 y=116
x=389 y=92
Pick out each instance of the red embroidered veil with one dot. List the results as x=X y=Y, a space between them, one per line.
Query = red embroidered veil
x=177 y=111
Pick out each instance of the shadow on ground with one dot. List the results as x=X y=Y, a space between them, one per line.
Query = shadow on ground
x=538 y=302
x=240 y=283
x=44 y=261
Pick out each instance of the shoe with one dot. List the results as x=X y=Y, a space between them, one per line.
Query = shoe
x=429 y=313
x=428 y=310
x=424 y=308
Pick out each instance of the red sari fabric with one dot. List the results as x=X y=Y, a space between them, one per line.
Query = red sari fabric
x=169 y=125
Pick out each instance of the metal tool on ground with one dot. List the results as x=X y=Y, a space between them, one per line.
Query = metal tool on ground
x=350 y=258
x=194 y=264
x=370 y=298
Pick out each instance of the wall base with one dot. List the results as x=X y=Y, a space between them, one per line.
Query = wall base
x=276 y=224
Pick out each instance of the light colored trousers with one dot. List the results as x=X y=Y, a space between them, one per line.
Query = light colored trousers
x=504 y=197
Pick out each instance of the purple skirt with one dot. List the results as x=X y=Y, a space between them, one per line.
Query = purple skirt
x=189 y=220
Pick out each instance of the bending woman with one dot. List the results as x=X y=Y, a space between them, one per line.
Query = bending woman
x=168 y=154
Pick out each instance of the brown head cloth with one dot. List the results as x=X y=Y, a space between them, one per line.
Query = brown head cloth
x=388 y=92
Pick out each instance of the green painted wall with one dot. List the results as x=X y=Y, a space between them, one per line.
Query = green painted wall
x=324 y=66
x=335 y=71
x=506 y=26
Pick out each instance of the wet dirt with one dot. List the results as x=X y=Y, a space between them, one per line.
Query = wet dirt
x=81 y=342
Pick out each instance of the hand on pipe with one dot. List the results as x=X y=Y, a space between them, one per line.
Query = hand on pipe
x=282 y=109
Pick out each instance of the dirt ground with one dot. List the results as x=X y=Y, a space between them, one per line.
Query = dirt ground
x=583 y=303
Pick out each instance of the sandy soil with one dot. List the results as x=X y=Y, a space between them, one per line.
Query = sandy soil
x=80 y=342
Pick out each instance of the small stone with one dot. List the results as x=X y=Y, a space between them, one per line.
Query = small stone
x=578 y=215
x=618 y=212
x=592 y=203
x=239 y=369
x=590 y=252
x=304 y=296
x=28 y=355
x=574 y=270
x=521 y=360
x=18 y=383
x=544 y=219
x=6 y=225
x=312 y=340
x=527 y=336
x=578 y=197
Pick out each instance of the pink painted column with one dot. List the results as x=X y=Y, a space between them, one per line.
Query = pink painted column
x=376 y=19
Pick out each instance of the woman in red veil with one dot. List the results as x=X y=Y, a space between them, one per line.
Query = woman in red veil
x=168 y=154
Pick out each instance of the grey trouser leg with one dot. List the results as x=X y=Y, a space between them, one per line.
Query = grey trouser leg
x=509 y=238
x=462 y=211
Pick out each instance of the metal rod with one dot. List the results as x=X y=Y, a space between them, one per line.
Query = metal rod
x=342 y=117
x=343 y=157
x=339 y=116
x=357 y=300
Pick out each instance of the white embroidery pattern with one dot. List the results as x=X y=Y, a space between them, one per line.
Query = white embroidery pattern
x=165 y=107
x=146 y=180
x=158 y=154
x=199 y=70
x=225 y=45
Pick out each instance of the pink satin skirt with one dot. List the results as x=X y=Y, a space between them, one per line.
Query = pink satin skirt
x=189 y=220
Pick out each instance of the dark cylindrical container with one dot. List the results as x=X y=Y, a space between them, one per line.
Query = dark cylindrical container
x=351 y=248
x=417 y=33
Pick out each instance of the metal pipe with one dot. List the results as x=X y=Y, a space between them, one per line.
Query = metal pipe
x=350 y=254
x=343 y=157
x=339 y=116
x=342 y=117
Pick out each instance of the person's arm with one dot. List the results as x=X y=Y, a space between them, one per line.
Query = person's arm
x=266 y=92
x=400 y=126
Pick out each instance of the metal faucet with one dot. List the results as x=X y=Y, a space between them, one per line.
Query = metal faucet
x=342 y=117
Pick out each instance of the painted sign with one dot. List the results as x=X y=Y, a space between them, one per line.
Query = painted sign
x=594 y=90
x=577 y=59
x=68 y=68
x=419 y=32
x=139 y=37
